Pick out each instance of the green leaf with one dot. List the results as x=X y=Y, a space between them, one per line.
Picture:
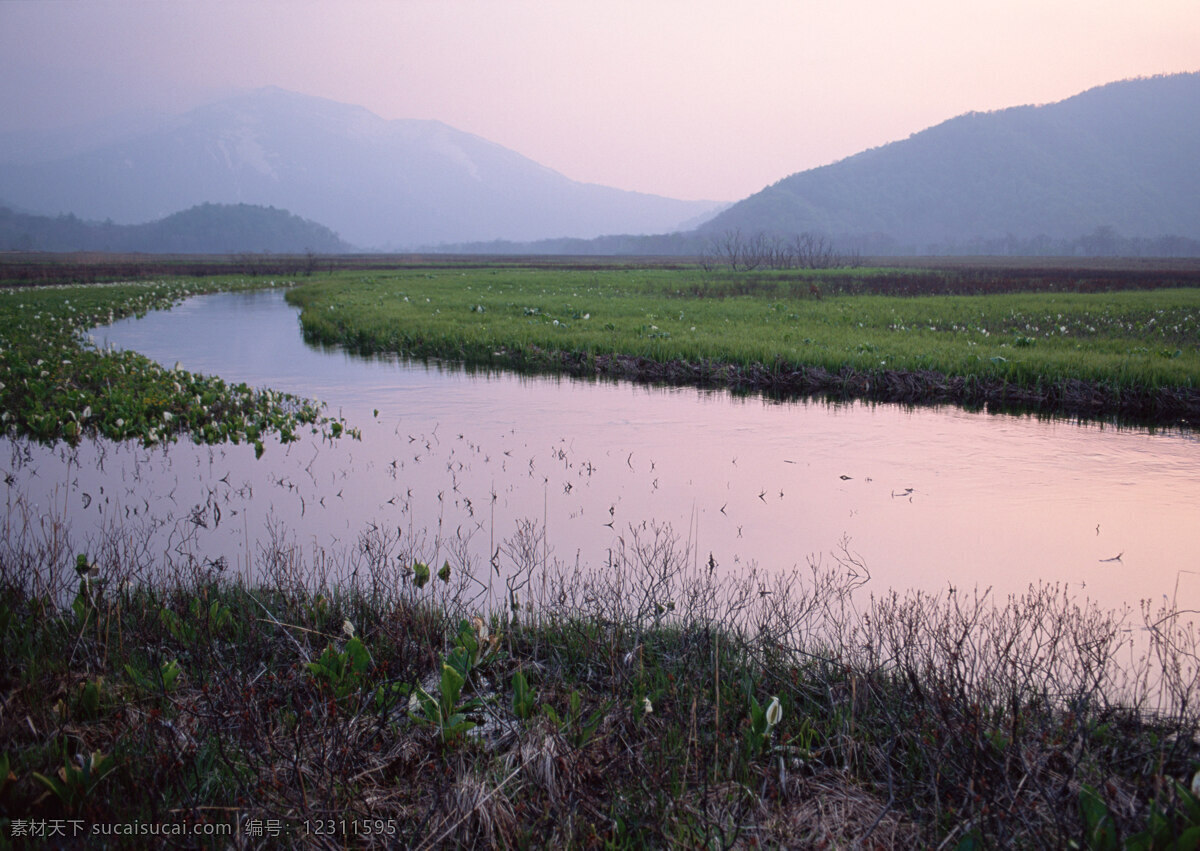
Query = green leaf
x=89 y=700
x=460 y=659
x=170 y=673
x=452 y=683
x=358 y=658
x=1189 y=840
x=1098 y=824
x=523 y=697
x=1191 y=804
x=429 y=706
x=456 y=725
x=588 y=728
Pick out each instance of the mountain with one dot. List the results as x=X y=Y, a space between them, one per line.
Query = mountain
x=205 y=229
x=1119 y=158
x=378 y=183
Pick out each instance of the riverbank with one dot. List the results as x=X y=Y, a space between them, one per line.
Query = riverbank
x=397 y=710
x=1054 y=344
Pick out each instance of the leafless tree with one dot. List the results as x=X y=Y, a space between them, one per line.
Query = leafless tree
x=743 y=253
x=732 y=248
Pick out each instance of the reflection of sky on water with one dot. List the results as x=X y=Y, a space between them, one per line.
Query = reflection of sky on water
x=995 y=500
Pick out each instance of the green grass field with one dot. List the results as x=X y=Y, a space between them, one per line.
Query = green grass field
x=1138 y=342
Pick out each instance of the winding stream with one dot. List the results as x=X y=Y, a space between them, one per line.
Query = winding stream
x=924 y=498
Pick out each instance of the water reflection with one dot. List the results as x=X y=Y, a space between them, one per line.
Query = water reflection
x=926 y=498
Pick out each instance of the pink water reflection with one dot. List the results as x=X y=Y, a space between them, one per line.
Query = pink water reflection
x=927 y=498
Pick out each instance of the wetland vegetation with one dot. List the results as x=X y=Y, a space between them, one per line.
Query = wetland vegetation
x=1092 y=344
x=642 y=705
x=373 y=696
x=57 y=385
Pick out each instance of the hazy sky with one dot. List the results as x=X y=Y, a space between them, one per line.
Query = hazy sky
x=689 y=98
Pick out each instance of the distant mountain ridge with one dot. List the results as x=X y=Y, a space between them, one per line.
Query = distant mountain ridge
x=378 y=183
x=204 y=229
x=1124 y=156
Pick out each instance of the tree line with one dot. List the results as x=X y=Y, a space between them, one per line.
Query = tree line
x=203 y=229
x=742 y=252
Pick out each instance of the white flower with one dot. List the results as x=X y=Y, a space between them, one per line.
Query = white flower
x=413 y=702
x=774 y=713
x=647 y=706
x=167 y=416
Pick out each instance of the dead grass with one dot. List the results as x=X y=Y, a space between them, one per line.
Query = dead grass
x=906 y=720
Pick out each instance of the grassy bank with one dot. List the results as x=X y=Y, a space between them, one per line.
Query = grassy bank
x=1134 y=353
x=55 y=384
x=642 y=706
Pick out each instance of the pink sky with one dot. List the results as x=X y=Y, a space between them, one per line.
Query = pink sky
x=696 y=99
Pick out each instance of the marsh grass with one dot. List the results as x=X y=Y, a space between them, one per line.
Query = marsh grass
x=292 y=704
x=1129 y=351
x=56 y=384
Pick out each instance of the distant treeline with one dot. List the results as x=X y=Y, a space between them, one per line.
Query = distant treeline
x=241 y=229
x=786 y=250
x=1104 y=241
x=205 y=229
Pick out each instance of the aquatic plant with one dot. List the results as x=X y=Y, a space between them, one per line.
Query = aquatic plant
x=57 y=385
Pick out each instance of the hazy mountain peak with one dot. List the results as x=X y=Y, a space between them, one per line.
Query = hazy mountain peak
x=379 y=183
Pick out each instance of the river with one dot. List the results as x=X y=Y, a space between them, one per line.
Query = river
x=921 y=498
